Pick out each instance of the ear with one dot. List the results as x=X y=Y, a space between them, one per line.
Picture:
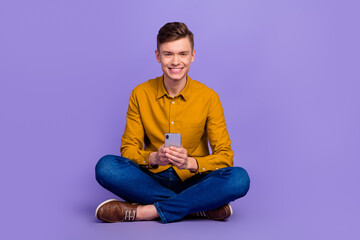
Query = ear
x=157 y=54
x=193 y=55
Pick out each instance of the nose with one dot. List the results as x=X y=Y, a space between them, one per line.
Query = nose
x=175 y=60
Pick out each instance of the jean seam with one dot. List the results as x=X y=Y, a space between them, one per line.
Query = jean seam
x=160 y=212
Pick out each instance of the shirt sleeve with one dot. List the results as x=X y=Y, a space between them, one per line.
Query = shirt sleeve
x=222 y=154
x=132 y=142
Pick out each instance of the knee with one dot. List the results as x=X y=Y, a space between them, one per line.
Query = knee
x=240 y=181
x=104 y=166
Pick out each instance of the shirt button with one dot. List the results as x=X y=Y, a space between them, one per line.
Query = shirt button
x=172 y=122
x=203 y=168
x=173 y=102
x=217 y=168
x=143 y=161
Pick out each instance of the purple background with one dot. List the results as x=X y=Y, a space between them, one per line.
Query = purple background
x=287 y=73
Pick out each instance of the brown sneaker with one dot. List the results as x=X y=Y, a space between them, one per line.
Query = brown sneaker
x=113 y=210
x=220 y=213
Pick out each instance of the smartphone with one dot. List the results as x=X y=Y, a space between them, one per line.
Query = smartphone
x=172 y=139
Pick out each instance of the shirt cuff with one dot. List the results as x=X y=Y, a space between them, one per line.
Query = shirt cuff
x=204 y=165
x=144 y=162
x=144 y=159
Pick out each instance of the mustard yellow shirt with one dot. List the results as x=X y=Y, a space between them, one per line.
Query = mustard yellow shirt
x=196 y=113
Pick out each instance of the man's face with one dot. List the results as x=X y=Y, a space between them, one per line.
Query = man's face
x=175 y=58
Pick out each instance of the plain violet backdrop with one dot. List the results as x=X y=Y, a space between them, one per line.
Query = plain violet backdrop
x=287 y=73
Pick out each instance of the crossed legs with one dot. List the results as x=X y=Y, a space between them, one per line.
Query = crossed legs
x=203 y=192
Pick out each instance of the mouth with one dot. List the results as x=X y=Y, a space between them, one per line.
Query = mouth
x=176 y=70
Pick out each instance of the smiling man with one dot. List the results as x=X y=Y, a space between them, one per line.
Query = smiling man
x=175 y=182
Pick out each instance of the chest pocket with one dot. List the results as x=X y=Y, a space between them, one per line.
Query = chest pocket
x=191 y=133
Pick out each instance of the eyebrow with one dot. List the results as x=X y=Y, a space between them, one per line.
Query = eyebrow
x=179 y=52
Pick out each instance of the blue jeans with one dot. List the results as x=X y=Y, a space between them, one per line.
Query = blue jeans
x=172 y=198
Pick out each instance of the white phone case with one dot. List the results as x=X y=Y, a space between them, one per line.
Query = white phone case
x=172 y=139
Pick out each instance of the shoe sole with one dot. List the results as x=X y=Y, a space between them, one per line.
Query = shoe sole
x=101 y=204
x=231 y=211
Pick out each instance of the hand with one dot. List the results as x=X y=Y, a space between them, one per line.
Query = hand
x=159 y=157
x=179 y=157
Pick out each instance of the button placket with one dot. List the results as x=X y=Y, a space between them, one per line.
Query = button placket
x=172 y=115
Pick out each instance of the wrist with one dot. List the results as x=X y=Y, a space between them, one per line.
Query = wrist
x=152 y=159
x=193 y=165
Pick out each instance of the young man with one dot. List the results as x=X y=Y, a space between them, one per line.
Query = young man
x=172 y=183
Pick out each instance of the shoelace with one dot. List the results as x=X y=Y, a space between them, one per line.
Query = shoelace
x=130 y=215
x=201 y=214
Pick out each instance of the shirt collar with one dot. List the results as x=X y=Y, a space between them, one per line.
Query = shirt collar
x=185 y=93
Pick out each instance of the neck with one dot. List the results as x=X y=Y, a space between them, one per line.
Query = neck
x=174 y=87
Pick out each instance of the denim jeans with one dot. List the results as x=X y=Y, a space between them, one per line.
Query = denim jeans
x=172 y=198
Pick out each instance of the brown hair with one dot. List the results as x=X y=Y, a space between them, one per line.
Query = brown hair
x=173 y=31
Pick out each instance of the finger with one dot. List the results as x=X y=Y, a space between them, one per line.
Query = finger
x=178 y=165
x=176 y=159
x=170 y=157
x=179 y=150
x=164 y=158
x=181 y=156
x=174 y=153
x=171 y=161
x=175 y=149
x=178 y=154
